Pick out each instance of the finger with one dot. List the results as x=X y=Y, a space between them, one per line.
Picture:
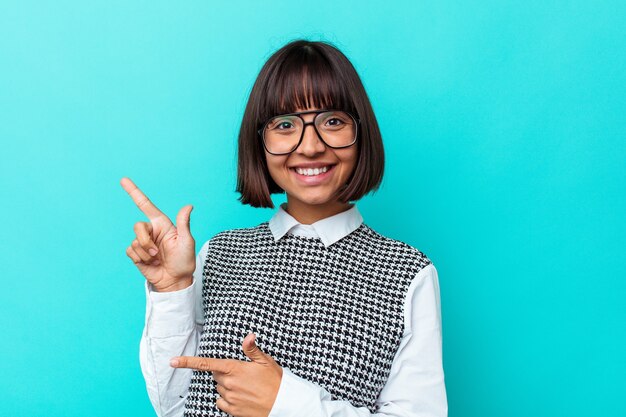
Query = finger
x=203 y=364
x=220 y=378
x=222 y=390
x=252 y=351
x=145 y=256
x=225 y=406
x=140 y=199
x=132 y=255
x=143 y=230
x=182 y=222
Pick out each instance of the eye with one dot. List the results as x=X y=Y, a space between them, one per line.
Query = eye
x=284 y=125
x=334 y=121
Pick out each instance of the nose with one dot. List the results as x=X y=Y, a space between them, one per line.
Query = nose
x=311 y=143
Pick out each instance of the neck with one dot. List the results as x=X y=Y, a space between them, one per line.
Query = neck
x=310 y=213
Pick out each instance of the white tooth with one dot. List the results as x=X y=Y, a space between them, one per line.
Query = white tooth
x=312 y=171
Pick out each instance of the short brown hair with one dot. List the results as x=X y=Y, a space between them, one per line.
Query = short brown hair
x=306 y=74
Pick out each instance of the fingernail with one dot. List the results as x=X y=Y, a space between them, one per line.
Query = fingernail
x=174 y=362
x=153 y=251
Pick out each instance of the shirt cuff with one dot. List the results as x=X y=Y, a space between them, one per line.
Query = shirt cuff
x=170 y=313
x=296 y=397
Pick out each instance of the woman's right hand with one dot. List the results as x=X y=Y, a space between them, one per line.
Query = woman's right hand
x=163 y=252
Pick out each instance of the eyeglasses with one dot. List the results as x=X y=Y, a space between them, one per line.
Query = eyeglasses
x=283 y=134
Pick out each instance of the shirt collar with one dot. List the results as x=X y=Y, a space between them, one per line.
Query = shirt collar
x=330 y=230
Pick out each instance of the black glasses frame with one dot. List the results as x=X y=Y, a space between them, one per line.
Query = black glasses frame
x=261 y=131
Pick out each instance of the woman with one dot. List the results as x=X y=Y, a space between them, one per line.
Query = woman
x=312 y=312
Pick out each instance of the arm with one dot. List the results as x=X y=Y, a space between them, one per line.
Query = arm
x=173 y=327
x=415 y=386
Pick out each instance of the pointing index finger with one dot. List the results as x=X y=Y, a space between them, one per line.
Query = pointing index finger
x=203 y=364
x=140 y=199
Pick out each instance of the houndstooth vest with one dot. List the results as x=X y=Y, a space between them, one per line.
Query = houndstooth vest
x=332 y=315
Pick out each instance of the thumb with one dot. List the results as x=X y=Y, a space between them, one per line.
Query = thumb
x=253 y=352
x=182 y=222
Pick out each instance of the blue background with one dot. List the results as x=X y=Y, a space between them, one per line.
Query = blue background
x=505 y=139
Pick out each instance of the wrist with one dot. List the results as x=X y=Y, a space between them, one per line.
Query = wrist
x=177 y=285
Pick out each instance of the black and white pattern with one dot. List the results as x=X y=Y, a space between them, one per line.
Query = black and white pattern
x=332 y=315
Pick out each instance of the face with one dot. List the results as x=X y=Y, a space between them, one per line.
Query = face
x=312 y=190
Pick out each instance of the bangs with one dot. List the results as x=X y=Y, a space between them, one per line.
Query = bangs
x=305 y=79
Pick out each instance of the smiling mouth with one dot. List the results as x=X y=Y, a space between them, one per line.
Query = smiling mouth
x=311 y=172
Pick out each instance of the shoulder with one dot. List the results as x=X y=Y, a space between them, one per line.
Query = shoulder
x=395 y=248
x=240 y=236
x=242 y=232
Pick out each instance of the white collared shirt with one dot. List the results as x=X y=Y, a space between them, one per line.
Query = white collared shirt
x=415 y=386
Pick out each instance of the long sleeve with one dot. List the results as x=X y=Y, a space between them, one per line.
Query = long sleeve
x=415 y=386
x=172 y=328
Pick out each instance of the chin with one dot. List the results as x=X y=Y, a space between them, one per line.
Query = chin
x=314 y=199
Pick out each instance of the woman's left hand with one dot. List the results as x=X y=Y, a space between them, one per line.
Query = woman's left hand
x=247 y=389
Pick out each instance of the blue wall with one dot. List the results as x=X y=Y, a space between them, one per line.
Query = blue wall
x=506 y=151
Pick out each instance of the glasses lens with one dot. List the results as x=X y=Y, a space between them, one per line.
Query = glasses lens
x=337 y=128
x=282 y=133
